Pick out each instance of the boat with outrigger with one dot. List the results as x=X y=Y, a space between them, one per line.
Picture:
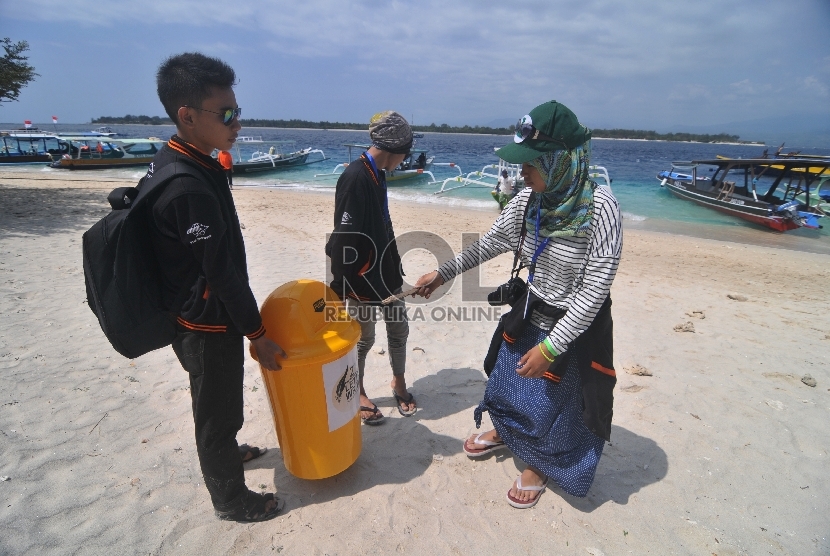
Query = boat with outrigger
x=417 y=164
x=99 y=152
x=794 y=195
x=281 y=155
x=485 y=178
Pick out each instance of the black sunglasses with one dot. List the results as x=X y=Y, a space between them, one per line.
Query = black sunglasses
x=228 y=114
x=526 y=130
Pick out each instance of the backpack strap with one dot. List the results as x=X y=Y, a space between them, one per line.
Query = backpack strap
x=129 y=197
x=155 y=179
x=152 y=183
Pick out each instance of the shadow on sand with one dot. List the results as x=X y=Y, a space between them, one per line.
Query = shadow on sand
x=628 y=464
x=395 y=452
x=45 y=212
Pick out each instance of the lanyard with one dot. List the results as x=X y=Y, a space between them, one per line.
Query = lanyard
x=539 y=248
x=374 y=166
x=382 y=181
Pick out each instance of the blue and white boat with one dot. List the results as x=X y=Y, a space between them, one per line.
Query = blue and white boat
x=27 y=147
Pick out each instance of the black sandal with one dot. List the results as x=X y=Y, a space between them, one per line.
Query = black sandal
x=377 y=417
x=400 y=400
x=255 y=452
x=250 y=507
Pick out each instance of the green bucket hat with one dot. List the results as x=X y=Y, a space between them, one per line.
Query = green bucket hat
x=549 y=127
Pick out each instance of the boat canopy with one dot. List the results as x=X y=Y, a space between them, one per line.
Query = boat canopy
x=740 y=163
x=138 y=141
x=103 y=139
x=33 y=136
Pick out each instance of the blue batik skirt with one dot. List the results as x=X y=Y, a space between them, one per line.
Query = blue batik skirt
x=540 y=420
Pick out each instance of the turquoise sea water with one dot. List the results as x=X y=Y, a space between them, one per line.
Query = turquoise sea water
x=632 y=166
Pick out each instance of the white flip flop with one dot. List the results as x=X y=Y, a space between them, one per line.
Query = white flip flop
x=489 y=447
x=516 y=503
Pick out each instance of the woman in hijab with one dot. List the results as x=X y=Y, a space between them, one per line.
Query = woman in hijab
x=550 y=366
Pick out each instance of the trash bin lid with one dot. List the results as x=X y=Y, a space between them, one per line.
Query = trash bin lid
x=308 y=321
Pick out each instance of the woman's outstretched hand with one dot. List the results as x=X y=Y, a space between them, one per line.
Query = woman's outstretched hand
x=532 y=364
x=428 y=283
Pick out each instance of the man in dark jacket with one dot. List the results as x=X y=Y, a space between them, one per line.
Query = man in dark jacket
x=365 y=263
x=198 y=243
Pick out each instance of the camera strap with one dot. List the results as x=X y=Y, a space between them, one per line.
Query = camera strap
x=514 y=273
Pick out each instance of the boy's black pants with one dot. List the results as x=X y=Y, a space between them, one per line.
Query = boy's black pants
x=215 y=364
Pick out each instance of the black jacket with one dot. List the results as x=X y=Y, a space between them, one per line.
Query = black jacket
x=198 y=244
x=365 y=264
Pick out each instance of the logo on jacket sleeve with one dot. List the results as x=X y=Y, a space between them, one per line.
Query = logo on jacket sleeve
x=347 y=218
x=198 y=232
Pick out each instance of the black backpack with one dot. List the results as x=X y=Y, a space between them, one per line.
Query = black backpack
x=123 y=279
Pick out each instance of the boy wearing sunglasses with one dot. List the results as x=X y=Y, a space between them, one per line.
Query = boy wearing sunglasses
x=198 y=244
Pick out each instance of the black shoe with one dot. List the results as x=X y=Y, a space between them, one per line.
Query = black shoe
x=250 y=507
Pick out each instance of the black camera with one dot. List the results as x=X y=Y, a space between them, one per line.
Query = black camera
x=508 y=293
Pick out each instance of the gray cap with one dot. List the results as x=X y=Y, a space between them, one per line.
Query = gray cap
x=390 y=132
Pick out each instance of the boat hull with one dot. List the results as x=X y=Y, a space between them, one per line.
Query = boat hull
x=268 y=165
x=101 y=163
x=398 y=175
x=757 y=215
x=25 y=158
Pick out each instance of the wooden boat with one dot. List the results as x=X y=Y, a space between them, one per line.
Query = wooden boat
x=98 y=153
x=781 y=202
x=106 y=131
x=417 y=164
x=26 y=147
x=103 y=131
x=281 y=155
x=485 y=178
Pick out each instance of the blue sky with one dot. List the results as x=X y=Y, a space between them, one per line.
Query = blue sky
x=645 y=64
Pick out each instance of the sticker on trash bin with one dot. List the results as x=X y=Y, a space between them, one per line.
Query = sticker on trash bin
x=341 y=379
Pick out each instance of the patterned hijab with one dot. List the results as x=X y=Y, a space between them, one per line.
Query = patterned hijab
x=567 y=205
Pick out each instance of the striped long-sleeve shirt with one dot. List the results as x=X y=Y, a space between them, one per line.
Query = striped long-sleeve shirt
x=572 y=273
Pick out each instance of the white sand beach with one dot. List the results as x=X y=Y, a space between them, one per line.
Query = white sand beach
x=721 y=450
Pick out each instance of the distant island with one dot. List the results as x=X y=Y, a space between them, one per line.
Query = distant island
x=129 y=119
x=639 y=134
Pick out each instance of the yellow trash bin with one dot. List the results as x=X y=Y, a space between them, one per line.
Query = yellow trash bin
x=316 y=396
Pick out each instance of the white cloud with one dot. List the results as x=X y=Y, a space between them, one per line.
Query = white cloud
x=598 y=37
x=814 y=85
x=746 y=87
x=468 y=61
x=690 y=92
